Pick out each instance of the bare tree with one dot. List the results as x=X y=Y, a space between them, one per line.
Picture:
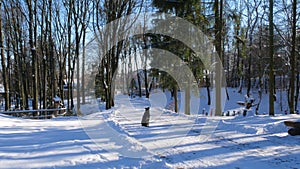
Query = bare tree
x=70 y=57
x=252 y=20
x=80 y=19
x=86 y=17
x=61 y=48
x=32 y=12
x=104 y=13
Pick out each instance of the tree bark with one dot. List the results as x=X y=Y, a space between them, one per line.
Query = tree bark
x=218 y=7
x=83 y=68
x=175 y=98
x=4 y=69
x=32 y=38
x=271 y=61
x=293 y=59
x=69 y=79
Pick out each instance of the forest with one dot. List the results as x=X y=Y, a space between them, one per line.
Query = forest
x=47 y=48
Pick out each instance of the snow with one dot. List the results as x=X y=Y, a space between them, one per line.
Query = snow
x=57 y=99
x=115 y=139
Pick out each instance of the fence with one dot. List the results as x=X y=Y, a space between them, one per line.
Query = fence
x=36 y=114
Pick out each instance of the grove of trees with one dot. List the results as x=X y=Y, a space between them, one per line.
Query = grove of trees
x=43 y=47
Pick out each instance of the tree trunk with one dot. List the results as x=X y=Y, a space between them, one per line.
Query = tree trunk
x=82 y=69
x=187 y=106
x=208 y=89
x=69 y=80
x=32 y=33
x=137 y=74
x=4 y=69
x=146 y=83
x=51 y=55
x=297 y=90
x=249 y=69
x=271 y=61
x=293 y=60
x=175 y=98
x=78 y=71
x=72 y=82
x=145 y=67
x=259 y=95
x=25 y=85
x=218 y=7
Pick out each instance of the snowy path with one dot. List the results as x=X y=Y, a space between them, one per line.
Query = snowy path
x=109 y=139
x=56 y=143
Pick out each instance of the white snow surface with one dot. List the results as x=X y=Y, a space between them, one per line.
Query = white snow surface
x=115 y=139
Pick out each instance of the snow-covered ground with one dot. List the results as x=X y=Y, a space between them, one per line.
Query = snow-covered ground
x=115 y=138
